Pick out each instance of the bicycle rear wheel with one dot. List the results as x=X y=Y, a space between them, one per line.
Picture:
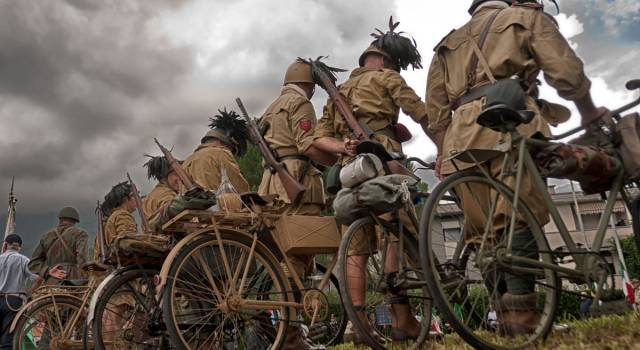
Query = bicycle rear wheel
x=380 y=284
x=469 y=285
x=207 y=306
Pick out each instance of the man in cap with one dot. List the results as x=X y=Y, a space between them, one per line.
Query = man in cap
x=287 y=126
x=376 y=92
x=14 y=273
x=227 y=137
x=165 y=190
x=503 y=40
x=64 y=245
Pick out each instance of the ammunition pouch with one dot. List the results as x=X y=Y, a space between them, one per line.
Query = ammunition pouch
x=333 y=179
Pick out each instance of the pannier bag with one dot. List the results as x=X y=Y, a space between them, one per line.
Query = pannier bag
x=628 y=129
x=592 y=167
x=195 y=199
x=378 y=196
x=362 y=168
x=133 y=248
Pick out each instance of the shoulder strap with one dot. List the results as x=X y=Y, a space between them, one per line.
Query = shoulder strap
x=477 y=50
x=59 y=238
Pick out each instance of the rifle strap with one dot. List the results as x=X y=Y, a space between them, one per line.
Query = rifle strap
x=64 y=244
x=477 y=50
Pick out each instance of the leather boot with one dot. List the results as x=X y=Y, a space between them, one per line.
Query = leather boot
x=517 y=314
x=297 y=340
x=364 y=320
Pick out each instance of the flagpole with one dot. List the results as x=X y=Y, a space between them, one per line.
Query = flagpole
x=11 y=212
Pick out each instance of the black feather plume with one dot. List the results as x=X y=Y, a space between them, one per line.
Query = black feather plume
x=157 y=167
x=400 y=46
x=318 y=68
x=116 y=197
x=234 y=127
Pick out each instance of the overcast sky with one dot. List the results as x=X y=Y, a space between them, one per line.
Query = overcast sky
x=85 y=85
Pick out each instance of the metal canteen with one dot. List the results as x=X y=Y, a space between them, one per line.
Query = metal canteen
x=364 y=167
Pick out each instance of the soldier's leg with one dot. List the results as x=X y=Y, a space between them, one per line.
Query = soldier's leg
x=6 y=317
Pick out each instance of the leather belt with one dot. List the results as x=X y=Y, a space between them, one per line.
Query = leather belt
x=475 y=93
x=293 y=157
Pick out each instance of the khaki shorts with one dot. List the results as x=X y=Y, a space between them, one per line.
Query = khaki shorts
x=476 y=200
x=369 y=239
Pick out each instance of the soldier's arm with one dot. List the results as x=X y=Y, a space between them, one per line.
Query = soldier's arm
x=562 y=68
x=38 y=262
x=324 y=134
x=406 y=98
x=303 y=123
x=438 y=106
x=125 y=224
x=81 y=249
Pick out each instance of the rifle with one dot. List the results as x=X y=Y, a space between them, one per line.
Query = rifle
x=294 y=189
x=144 y=222
x=361 y=131
x=100 y=236
x=176 y=167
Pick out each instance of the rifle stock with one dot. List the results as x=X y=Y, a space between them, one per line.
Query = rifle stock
x=144 y=222
x=294 y=189
x=362 y=132
x=176 y=167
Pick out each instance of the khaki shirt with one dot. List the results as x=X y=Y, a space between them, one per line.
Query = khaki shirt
x=156 y=199
x=70 y=254
x=376 y=97
x=119 y=223
x=521 y=41
x=204 y=166
x=289 y=123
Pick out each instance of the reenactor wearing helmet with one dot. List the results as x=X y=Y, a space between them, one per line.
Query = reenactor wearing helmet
x=64 y=246
x=165 y=190
x=376 y=92
x=119 y=205
x=287 y=126
x=227 y=137
x=504 y=39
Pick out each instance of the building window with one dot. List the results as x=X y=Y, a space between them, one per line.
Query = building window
x=451 y=234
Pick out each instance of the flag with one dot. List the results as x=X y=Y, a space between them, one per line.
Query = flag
x=11 y=213
x=626 y=281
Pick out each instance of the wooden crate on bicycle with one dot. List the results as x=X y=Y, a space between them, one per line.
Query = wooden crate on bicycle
x=303 y=234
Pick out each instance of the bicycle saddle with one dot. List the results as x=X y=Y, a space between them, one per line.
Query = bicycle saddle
x=502 y=118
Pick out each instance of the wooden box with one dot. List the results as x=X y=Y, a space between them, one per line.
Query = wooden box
x=302 y=234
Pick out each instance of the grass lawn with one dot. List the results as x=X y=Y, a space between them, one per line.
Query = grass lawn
x=608 y=332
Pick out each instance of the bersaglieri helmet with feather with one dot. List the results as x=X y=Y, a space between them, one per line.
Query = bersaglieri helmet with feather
x=116 y=197
x=400 y=48
x=318 y=67
x=230 y=129
x=157 y=167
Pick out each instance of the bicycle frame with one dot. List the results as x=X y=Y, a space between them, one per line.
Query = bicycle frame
x=586 y=267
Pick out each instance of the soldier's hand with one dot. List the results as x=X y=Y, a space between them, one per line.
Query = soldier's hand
x=350 y=146
x=57 y=272
x=594 y=115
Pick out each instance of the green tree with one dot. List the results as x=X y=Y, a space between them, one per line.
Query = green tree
x=251 y=167
x=631 y=256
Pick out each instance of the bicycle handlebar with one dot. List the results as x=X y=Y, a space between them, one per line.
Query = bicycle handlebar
x=425 y=165
x=630 y=85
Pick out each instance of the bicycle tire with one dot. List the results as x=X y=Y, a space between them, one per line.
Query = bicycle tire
x=230 y=240
x=61 y=302
x=113 y=287
x=433 y=275
x=411 y=249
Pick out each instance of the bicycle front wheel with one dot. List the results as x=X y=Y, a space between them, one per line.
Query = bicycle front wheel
x=463 y=253
x=225 y=294
x=365 y=239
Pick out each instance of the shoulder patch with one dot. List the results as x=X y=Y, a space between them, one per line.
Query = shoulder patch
x=435 y=48
x=305 y=124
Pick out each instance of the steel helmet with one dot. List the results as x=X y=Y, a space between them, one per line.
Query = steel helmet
x=298 y=72
x=476 y=3
x=69 y=213
x=372 y=49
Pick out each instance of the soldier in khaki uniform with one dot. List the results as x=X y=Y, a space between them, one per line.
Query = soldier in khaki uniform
x=521 y=40
x=376 y=92
x=64 y=246
x=287 y=125
x=165 y=190
x=226 y=138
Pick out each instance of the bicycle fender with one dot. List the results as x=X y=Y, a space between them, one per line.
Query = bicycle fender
x=28 y=305
x=96 y=295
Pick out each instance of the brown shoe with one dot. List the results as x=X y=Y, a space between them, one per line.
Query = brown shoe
x=297 y=340
x=518 y=314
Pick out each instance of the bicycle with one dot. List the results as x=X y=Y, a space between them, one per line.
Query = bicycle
x=224 y=284
x=54 y=318
x=372 y=229
x=465 y=286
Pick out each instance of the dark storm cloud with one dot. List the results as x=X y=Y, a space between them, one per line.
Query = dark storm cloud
x=86 y=85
